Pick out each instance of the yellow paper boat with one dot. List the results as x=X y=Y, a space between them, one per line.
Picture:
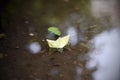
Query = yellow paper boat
x=59 y=43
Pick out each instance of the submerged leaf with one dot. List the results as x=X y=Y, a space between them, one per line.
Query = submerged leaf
x=59 y=43
x=54 y=30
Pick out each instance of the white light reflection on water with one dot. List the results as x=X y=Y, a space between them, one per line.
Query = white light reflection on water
x=106 y=8
x=73 y=35
x=34 y=47
x=78 y=73
x=105 y=55
x=102 y=8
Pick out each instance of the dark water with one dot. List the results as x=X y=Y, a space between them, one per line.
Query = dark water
x=25 y=22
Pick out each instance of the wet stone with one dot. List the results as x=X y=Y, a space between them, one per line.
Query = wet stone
x=17 y=47
x=84 y=45
x=26 y=22
x=61 y=75
x=66 y=0
x=14 y=79
x=1 y=55
x=38 y=79
x=80 y=64
x=6 y=55
x=74 y=62
x=31 y=34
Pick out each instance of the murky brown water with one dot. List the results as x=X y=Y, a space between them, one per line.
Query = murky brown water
x=24 y=22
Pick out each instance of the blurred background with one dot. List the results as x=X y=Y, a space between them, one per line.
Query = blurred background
x=94 y=50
